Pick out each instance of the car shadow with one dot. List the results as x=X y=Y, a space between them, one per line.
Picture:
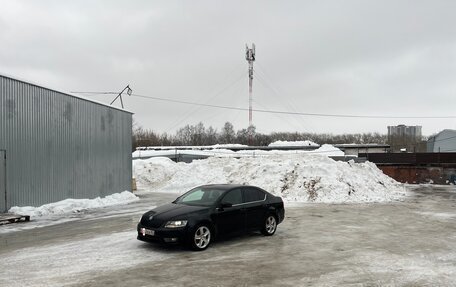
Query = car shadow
x=179 y=248
x=239 y=236
x=161 y=247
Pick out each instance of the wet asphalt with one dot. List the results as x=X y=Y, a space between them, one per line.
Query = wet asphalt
x=408 y=243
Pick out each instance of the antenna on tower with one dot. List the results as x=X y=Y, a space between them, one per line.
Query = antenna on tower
x=250 y=57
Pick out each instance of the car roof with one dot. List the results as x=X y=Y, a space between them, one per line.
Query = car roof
x=223 y=186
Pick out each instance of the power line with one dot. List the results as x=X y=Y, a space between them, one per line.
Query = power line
x=283 y=100
x=275 y=111
x=96 y=93
x=291 y=113
x=222 y=91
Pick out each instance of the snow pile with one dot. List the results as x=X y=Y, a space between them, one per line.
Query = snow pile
x=296 y=178
x=153 y=172
x=292 y=143
x=75 y=205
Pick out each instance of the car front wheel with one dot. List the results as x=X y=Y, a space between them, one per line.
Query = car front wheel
x=270 y=225
x=200 y=237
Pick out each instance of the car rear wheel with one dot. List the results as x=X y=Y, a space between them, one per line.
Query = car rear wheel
x=270 y=225
x=201 y=237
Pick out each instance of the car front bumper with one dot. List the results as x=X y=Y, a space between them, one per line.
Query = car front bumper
x=164 y=235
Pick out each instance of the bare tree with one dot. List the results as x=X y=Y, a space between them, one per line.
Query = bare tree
x=199 y=135
x=228 y=134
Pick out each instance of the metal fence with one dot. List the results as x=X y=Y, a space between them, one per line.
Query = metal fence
x=411 y=158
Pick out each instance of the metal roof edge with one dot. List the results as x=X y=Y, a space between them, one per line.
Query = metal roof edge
x=361 y=145
x=61 y=92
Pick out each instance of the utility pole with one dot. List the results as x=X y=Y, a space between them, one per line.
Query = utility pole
x=250 y=57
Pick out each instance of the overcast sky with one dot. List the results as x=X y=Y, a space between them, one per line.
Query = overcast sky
x=379 y=58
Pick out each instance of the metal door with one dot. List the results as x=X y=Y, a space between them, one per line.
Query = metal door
x=2 y=181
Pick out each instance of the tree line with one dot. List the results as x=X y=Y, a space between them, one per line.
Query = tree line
x=199 y=135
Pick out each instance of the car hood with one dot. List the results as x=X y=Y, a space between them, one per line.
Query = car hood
x=171 y=211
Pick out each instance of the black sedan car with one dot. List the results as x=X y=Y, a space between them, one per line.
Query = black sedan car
x=200 y=215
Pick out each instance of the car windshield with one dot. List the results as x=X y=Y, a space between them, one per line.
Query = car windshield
x=204 y=196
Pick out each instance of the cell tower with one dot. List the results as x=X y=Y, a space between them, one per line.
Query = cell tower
x=250 y=57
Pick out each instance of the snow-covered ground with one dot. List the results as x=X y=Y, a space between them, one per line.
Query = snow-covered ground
x=300 y=177
x=65 y=262
x=75 y=209
x=410 y=243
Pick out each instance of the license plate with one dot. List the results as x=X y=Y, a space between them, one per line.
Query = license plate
x=145 y=232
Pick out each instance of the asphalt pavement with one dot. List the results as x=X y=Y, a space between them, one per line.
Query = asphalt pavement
x=409 y=243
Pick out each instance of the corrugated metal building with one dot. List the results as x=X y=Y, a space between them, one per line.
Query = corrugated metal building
x=444 y=141
x=55 y=146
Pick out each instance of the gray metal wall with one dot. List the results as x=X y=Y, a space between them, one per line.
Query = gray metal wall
x=444 y=141
x=2 y=180
x=59 y=146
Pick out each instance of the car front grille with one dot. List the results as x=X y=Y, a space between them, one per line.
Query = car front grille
x=154 y=223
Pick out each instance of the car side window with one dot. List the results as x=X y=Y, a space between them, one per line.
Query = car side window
x=253 y=194
x=233 y=196
x=196 y=195
x=213 y=195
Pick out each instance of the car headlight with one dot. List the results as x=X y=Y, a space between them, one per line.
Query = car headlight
x=176 y=224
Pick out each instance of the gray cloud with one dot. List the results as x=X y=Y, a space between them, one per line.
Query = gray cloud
x=344 y=57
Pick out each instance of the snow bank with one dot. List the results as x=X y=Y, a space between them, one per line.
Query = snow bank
x=297 y=178
x=75 y=205
x=293 y=143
